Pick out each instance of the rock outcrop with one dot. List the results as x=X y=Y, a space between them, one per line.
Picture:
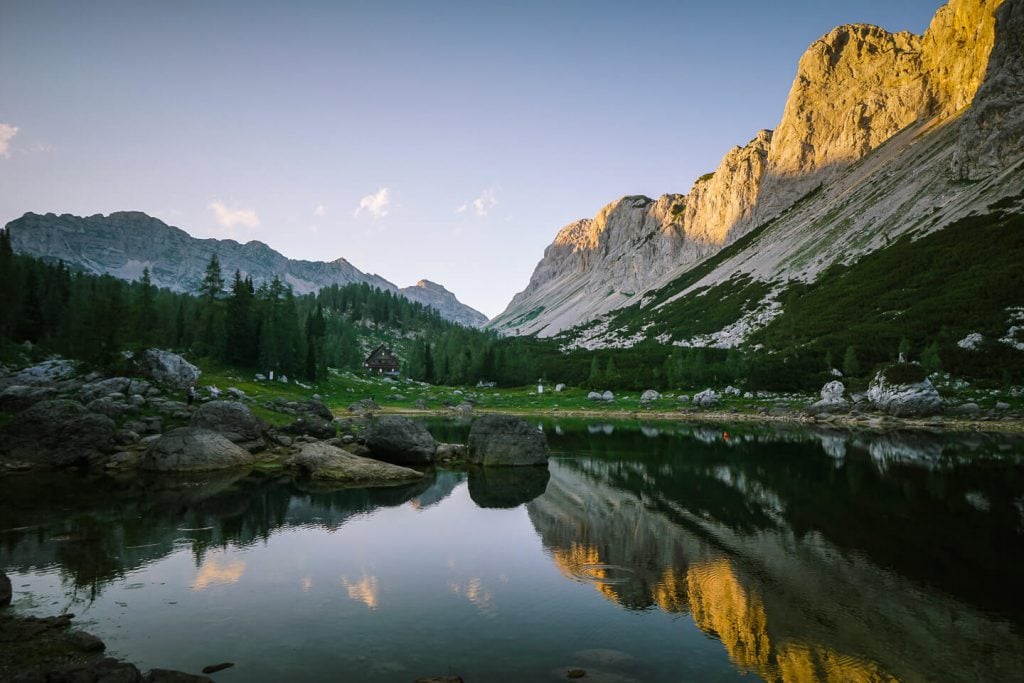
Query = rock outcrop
x=506 y=440
x=857 y=88
x=58 y=433
x=904 y=397
x=191 y=449
x=324 y=462
x=401 y=441
x=234 y=420
x=126 y=242
x=167 y=368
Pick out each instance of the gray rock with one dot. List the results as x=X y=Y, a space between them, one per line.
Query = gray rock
x=968 y=408
x=684 y=398
x=47 y=373
x=650 y=395
x=399 y=440
x=124 y=460
x=367 y=405
x=559 y=388
x=915 y=399
x=86 y=642
x=111 y=407
x=594 y=396
x=58 y=433
x=311 y=426
x=234 y=420
x=832 y=400
x=1001 y=405
x=608 y=396
x=450 y=451
x=113 y=385
x=6 y=593
x=506 y=440
x=706 y=398
x=192 y=449
x=168 y=369
x=325 y=462
x=464 y=409
x=17 y=397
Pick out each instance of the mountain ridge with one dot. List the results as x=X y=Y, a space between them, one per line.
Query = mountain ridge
x=862 y=97
x=124 y=243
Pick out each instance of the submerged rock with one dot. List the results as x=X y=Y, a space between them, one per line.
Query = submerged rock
x=506 y=440
x=399 y=440
x=194 y=449
x=325 y=462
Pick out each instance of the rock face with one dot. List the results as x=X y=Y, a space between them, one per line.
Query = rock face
x=906 y=399
x=330 y=463
x=234 y=421
x=124 y=243
x=58 y=433
x=856 y=88
x=505 y=440
x=191 y=449
x=401 y=441
x=168 y=369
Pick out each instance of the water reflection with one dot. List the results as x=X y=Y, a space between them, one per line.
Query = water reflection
x=838 y=557
x=809 y=554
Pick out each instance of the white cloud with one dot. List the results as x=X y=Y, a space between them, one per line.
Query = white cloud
x=7 y=131
x=482 y=204
x=229 y=217
x=375 y=204
x=320 y=210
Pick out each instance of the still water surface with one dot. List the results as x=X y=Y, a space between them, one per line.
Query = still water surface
x=654 y=552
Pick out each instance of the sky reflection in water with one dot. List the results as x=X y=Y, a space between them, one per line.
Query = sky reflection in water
x=665 y=553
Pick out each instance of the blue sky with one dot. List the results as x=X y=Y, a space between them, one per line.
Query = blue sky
x=445 y=140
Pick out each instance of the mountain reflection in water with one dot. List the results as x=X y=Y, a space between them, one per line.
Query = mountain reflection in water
x=810 y=555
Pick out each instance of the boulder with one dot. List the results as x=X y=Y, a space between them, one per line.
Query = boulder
x=111 y=406
x=684 y=398
x=463 y=409
x=325 y=462
x=971 y=342
x=450 y=451
x=706 y=398
x=367 y=405
x=594 y=396
x=608 y=396
x=401 y=441
x=506 y=440
x=17 y=397
x=58 y=433
x=194 y=449
x=649 y=395
x=168 y=369
x=234 y=420
x=310 y=426
x=113 y=385
x=559 y=388
x=904 y=391
x=47 y=373
x=831 y=401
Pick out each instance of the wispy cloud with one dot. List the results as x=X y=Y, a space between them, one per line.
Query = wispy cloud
x=7 y=131
x=231 y=217
x=320 y=210
x=375 y=204
x=482 y=205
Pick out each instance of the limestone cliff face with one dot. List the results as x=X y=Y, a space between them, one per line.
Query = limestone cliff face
x=855 y=89
x=992 y=130
x=124 y=243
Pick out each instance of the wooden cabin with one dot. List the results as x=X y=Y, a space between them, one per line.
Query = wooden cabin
x=381 y=361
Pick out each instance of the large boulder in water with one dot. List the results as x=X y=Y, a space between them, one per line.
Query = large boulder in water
x=904 y=390
x=399 y=440
x=325 y=462
x=168 y=369
x=193 y=449
x=506 y=440
x=58 y=433
x=234 y=420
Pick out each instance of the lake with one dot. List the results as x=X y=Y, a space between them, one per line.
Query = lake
x=644 y=552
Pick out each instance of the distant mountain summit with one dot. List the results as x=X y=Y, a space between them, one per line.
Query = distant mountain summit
x=126 y=242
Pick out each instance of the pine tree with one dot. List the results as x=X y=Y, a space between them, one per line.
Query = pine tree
x=930 y=359
x=213 y=281
x=595 y=378
x=851 y=367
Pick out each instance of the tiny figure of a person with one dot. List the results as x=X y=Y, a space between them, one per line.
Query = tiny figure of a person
x=191 y=394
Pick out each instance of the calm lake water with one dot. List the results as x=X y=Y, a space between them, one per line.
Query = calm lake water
x=645 y=552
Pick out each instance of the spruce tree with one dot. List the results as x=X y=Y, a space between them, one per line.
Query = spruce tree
x=851 y=367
